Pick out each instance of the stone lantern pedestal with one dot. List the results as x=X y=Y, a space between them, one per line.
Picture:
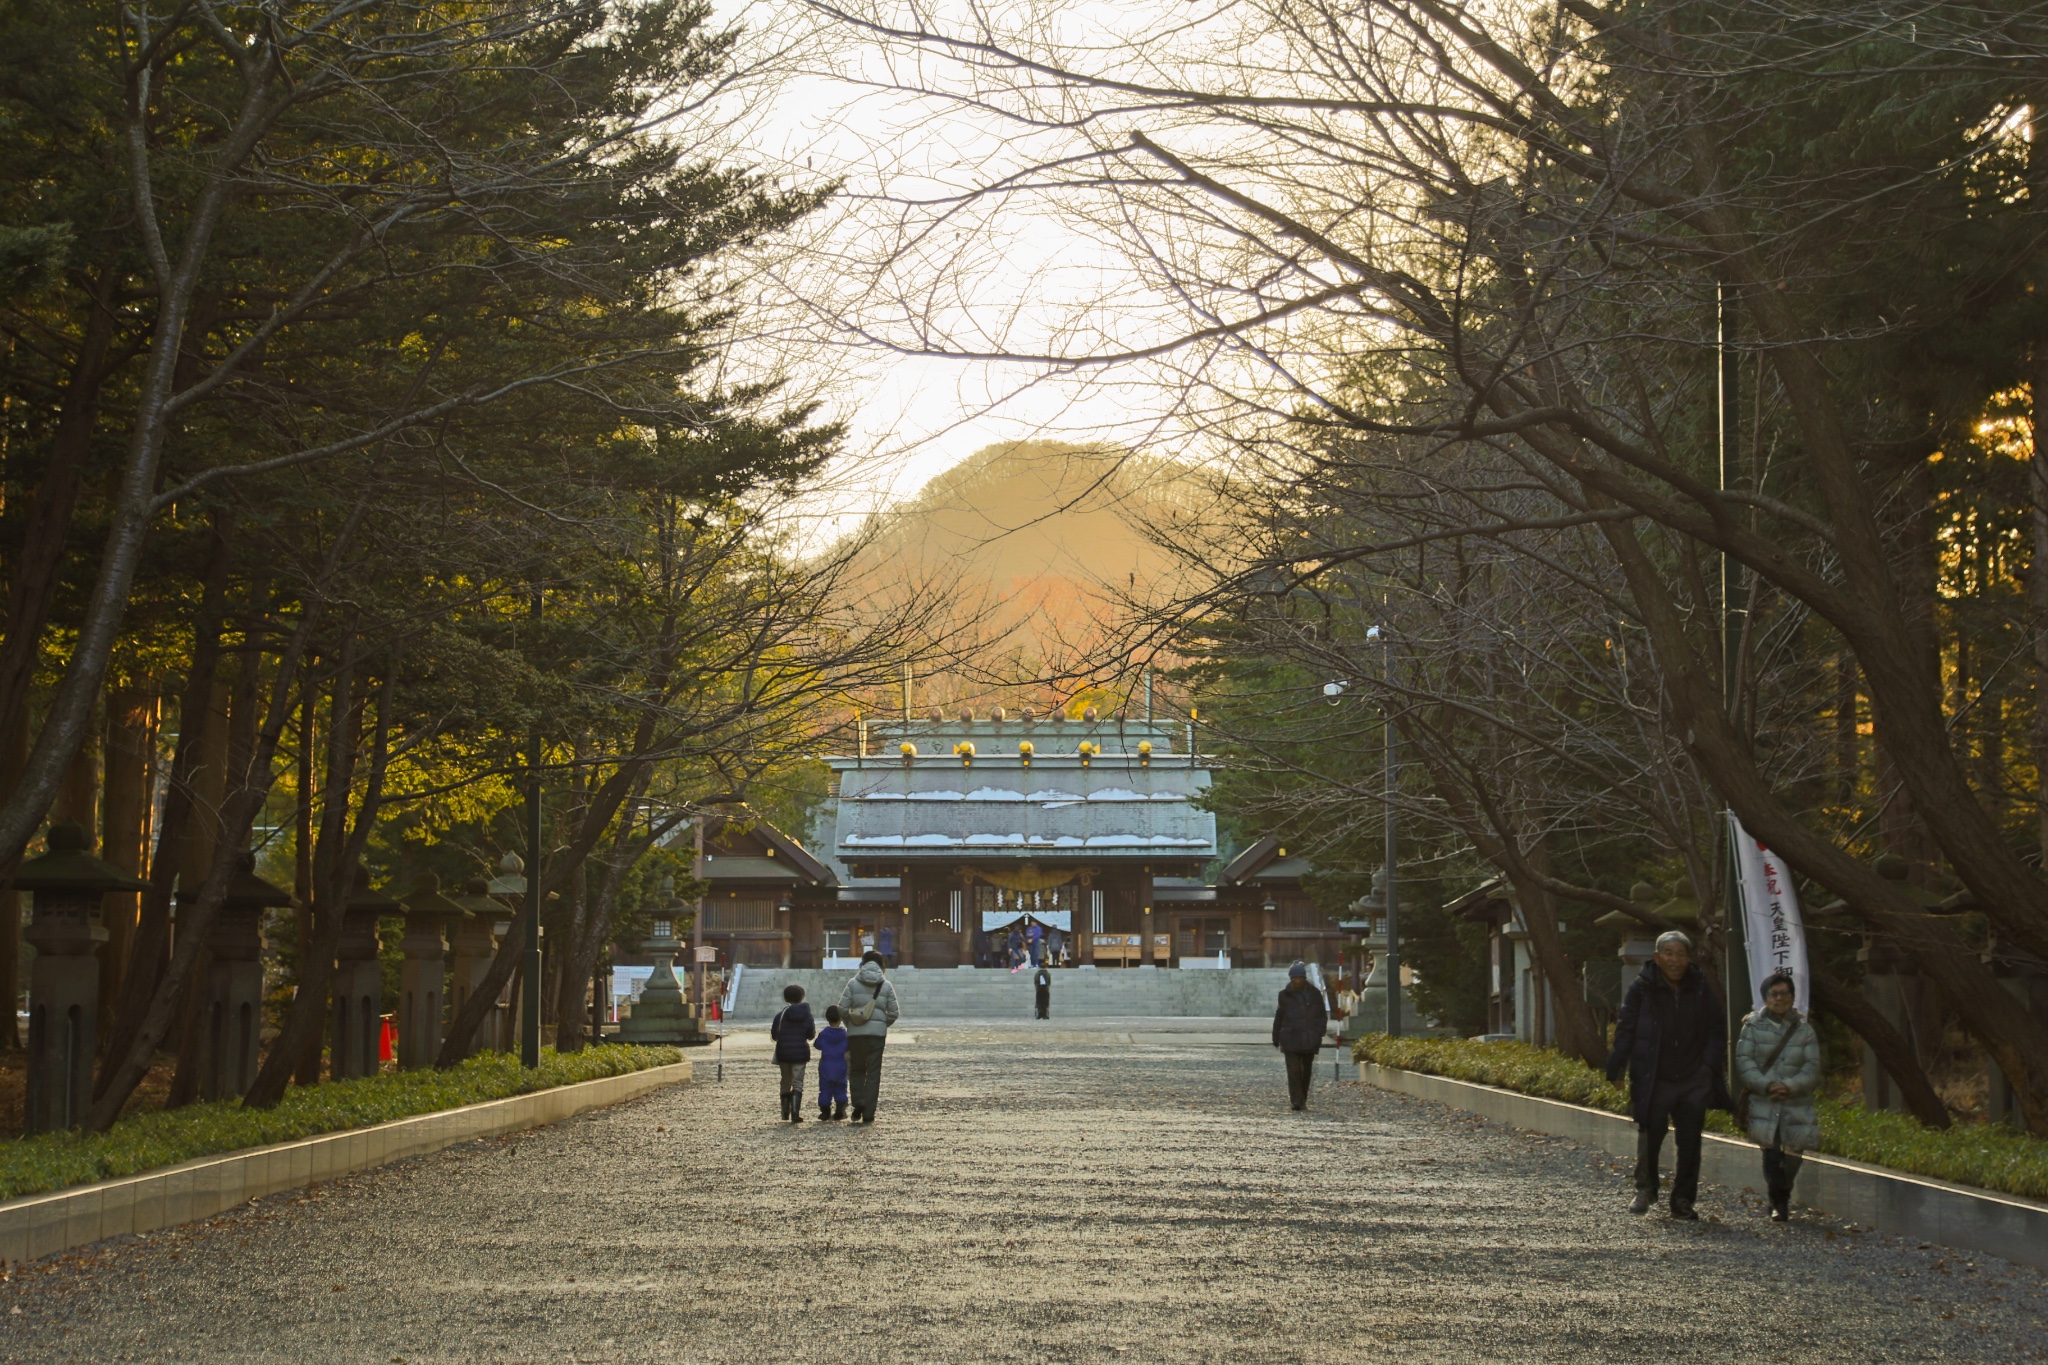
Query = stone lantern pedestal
x=422 y=982
x=358 y=996
x=231 y=1026
x=64 y=983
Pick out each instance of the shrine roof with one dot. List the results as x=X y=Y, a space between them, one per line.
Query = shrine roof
x=943 y=800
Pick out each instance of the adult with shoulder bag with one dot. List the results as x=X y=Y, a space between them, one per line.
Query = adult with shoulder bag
x=1778 y=1063
x=868 y=1005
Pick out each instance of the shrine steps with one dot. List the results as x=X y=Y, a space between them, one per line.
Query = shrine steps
x=992 y=993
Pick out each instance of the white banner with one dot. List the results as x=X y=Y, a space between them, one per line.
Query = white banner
x=1771 y=927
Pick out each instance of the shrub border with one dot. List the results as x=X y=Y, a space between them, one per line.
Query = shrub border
x=39 y=1225
x=1913 y=1206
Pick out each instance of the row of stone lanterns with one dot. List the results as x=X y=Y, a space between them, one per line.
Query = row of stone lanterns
x=67 y=883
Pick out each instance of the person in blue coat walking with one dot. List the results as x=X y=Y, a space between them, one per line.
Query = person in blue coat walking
x=831 y=1045
x=792 y=1030
x=1671 y=1040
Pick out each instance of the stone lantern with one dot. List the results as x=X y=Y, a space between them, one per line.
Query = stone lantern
x=1370 y=1016
x=660 y=1014
x=64 y=983
x=358 y=982
x=422 y=981
x=232 y=1025
x=476 y=938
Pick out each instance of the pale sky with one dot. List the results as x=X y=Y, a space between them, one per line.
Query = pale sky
x=911 y=417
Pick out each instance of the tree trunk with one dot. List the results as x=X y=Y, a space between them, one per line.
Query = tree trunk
x=341 y=848
x=1578 y=1034
x=151 y=951
x=237 y=755
x=308 y=1069
x=1894 y=1053
x=2037 y=585
x=132 y=715
x=34 y=583
x=2016 y=1040
x=13 y=750
x=592 y=930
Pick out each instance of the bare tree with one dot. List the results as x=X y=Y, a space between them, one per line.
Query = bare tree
x=1403 y=219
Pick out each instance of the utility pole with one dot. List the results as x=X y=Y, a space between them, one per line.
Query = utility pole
x=1735 y=970
x=529 y=1009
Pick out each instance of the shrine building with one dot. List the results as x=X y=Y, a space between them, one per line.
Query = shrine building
x=942 y=837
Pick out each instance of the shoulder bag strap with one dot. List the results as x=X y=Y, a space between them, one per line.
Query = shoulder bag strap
x=1778 y=1050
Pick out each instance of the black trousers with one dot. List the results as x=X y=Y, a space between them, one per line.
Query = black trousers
x=1781 y=1168
x=1044 y=1004
x=1300 y=1065
x=1685 y=1110
x=864 y=1071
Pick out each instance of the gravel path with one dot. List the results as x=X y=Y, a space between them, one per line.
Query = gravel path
x=1064 y=1200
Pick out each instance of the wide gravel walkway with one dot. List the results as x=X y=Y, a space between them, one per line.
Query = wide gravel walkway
x=1020 y=1199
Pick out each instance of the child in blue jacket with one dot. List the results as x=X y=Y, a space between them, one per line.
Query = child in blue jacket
x=792 y=1031
x=831 y=1047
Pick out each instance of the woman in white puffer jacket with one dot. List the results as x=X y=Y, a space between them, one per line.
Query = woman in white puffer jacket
x=1777 y=1063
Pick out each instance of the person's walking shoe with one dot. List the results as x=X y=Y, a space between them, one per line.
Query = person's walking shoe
x=1643 y=1200
x=839 y=1110
x=1781 y=1206
x=1682 y=1212
x=785 y=1106
x=796 y=1109
x=824 y=1113
x=856 y=1113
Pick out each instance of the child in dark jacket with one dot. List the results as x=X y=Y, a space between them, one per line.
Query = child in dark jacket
x=792 y=1031
x=831 y=1067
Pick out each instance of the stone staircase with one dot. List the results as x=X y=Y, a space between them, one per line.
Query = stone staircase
x=992 y=993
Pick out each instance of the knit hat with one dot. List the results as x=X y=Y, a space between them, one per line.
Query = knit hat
x=1298 y=972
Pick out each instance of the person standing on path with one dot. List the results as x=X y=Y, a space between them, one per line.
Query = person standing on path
x=1671 y=1040
x=1298 y=1027
x=831 y=1047
x=792 y=1030
x=868 y=1004
x=1778 y=1062
x=1041 y=992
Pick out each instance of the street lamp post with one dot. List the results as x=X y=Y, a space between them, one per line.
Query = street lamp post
x=1335 y=690
x=1393 y=848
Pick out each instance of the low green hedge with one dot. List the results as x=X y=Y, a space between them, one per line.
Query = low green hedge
x=52 y=1161
x=1985 y=1155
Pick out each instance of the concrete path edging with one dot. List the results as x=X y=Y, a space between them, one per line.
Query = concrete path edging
x=38 y=1225
x=1910 y=1205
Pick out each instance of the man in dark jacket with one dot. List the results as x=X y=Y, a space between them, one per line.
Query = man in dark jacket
x=1671 y=1040
x=1298 y=1027
x=1041 y=992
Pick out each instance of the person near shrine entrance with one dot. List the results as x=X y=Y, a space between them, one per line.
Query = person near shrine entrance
x=1041 y=991
x=1298 y=1027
